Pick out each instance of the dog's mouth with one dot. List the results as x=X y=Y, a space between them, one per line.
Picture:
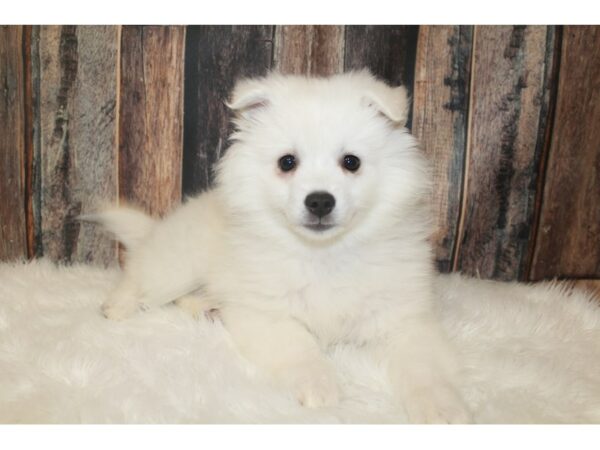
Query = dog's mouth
x=319 y=227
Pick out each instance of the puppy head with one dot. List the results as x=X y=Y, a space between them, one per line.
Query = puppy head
x=319 y=156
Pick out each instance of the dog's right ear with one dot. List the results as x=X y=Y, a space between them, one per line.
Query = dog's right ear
x=248 y=96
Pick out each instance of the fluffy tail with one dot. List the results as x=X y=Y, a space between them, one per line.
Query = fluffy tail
x=129 y=225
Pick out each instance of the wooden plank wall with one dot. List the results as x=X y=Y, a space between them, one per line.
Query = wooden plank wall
x=151 y=117
x=509 y=104
x=568 y=241
x=441 y=103
x=389 y=51
x=506 y=114
x=13 y=228
x=215 y=57
x=82 y=87
x=314 y=50
x=78 y=137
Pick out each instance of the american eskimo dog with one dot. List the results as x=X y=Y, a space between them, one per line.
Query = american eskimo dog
x=316 y=232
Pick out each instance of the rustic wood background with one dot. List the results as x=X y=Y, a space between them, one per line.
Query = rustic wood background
x=509 y=115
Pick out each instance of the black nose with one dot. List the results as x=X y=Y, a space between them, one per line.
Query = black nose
x=320 y=203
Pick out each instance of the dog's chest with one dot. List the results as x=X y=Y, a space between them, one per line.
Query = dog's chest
x=338 y=305
x=338 y=299
x=330 y=311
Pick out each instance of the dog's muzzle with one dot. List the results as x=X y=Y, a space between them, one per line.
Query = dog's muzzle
x=320 y=203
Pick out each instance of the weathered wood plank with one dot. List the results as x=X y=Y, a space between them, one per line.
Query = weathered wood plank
x=568 y=239
x=216 y=56
x=508 y=115
x=389 y=51
x=440 y=107
x=151 y=116
x=309 y=49
x=34 y=168
x=28 y=172
x=78 y=132
x=13 y=227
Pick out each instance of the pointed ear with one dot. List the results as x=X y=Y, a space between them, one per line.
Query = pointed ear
x=248 y=94
x=392 y=102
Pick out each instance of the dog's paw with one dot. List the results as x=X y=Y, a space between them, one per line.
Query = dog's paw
x=439 y=404
x=119 y=310
x=198 y=308
x=314 y=383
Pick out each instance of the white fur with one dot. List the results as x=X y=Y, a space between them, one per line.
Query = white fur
x=531 y=355
x=286 y=292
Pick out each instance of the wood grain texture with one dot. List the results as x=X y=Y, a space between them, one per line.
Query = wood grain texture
x=13 y=242
x=309 y=49
x=510 y=93
x=151 y=116
x=389 y=51
x=568 y=239
x=216 y=56
x=440 y=108
x=78 y=131
x=29 y=169
x=34 y=172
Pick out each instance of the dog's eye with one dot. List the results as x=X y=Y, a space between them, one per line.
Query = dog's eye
x=287 y=163
x=351 y=163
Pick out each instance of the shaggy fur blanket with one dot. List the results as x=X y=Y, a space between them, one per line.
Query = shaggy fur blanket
x=531 y=354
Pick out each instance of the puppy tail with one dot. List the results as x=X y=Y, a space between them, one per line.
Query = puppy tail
x=129 y=225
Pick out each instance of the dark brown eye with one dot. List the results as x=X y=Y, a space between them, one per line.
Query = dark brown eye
x=287 y=163
x=351 y=163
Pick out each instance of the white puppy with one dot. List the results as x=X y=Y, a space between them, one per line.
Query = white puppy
x=315 y=233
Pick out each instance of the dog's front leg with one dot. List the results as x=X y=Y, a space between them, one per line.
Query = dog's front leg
x=284 y=348
x=423 y=370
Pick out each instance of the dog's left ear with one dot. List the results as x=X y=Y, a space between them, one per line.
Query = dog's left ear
x=392 y=102
x=248 y=95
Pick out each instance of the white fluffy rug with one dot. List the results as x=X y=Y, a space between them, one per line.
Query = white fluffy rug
x=532 y=354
